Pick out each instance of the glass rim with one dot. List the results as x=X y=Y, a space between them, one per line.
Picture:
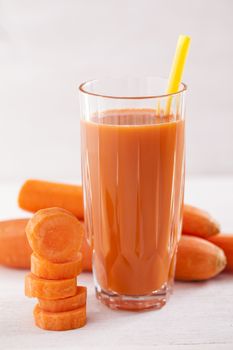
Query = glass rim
x=96 y=94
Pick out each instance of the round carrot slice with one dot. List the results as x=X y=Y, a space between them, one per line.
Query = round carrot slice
x=67 y=304
x=55 y=234
x=49 y=289
x=60 y=321
x=52 y=271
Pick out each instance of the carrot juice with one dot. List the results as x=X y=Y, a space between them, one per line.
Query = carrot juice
x=132 y=141
x=133 y=162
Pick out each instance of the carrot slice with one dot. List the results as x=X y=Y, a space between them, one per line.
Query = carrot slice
x=35 y=195
x=51 y=271
x=60 y=321
x=55 y=234
x=14 y=247
x=49 y=289
x=67 y=304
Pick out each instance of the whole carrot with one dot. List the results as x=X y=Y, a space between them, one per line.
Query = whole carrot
x=15 y=250
x=36 y=194
x=198 y=222
x=225 y=241
x=198 y=259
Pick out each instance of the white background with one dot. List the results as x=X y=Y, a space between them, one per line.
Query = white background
x=49 y=47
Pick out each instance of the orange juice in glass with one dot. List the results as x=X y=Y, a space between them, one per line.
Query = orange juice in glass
x=133 y=180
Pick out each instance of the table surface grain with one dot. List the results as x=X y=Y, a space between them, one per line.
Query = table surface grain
x=197 y=316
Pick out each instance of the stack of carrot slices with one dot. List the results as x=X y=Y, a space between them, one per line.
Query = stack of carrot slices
x=55 y=236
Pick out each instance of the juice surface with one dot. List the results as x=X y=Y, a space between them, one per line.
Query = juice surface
x=133 y=165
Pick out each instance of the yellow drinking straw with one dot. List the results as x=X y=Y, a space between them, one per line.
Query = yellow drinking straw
x=177 y=68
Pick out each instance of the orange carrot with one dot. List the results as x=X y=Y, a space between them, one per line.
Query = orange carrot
x=14 y=247
x=225 y=242
x=55 y=234
x=36 y=194
x=60 y=321
x=198 y=259
x=49 y=289
x=51 y=271
x=198 y=222
x=66 y=304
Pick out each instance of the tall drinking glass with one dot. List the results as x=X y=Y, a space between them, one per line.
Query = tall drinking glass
x=132 y=137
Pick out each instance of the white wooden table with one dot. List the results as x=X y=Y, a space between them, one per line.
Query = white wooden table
x=197 y=316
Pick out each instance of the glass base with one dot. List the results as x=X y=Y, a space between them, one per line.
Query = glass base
x=155 y=300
